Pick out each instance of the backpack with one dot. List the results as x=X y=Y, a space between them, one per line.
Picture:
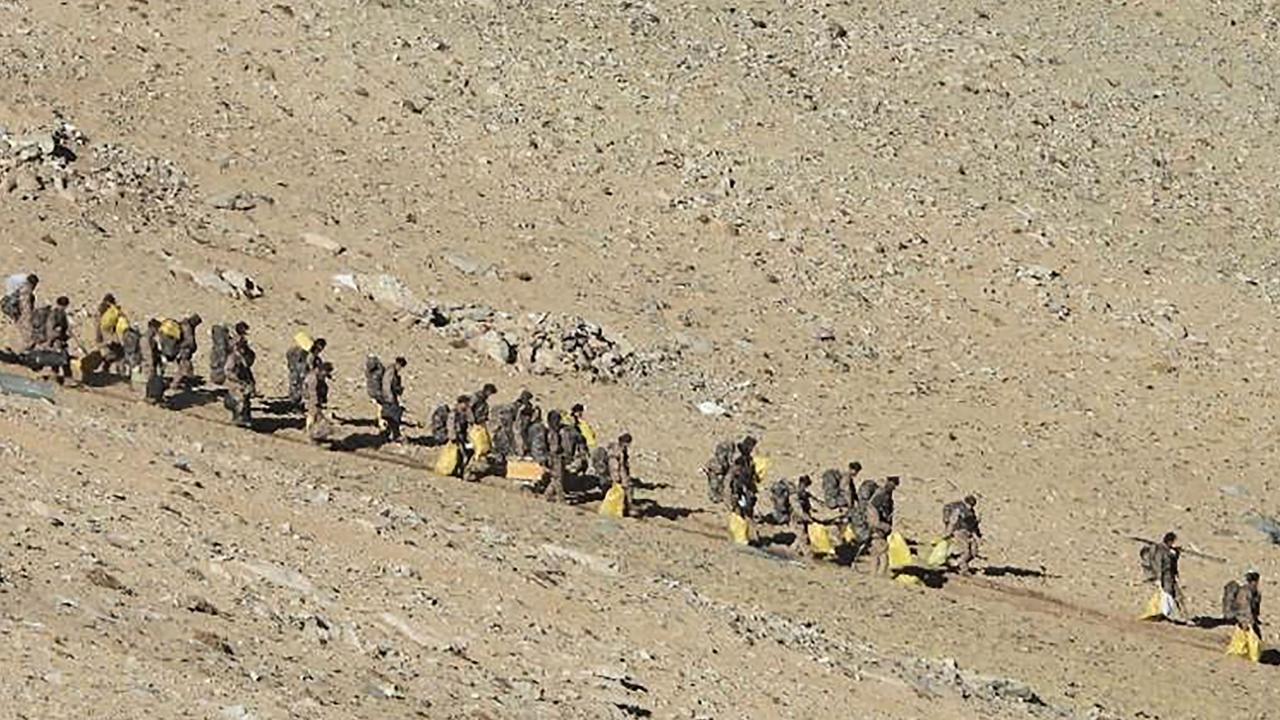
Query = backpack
x=1146 y=558
x=220 y=338
x=373 y=372
x=10 y=306
x=440 y=423
x=780 y=494
x=600 y=463
x=131 y=346
x=39 y=319
x=832 y=492
x=1229 y=592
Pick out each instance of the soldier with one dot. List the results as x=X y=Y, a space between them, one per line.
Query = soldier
x=55 y=339
x=521 y=418
x=149 y=354
x=802 y=514
x=239 y=377
x=315 y=396
x=106 y=336
x=392 y=390
x=780 y=493
x=742 y=482
x=26 y=296
x=186 y=351
x=298 y=361
x=879 y=514
x=1160 y=566
x=620 y=471
x=536 y=439
x=577 y=454
x=579 y=422
x=478 y=408
x=717 y=470
x=960 y=526
x=1242 y=604
x=555 y=461
x=456 y=427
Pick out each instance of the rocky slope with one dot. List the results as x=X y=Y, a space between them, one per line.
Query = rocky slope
x=1019 y=250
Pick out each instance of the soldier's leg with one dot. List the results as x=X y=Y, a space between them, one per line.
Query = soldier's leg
x=879 y=551
x=628 y=499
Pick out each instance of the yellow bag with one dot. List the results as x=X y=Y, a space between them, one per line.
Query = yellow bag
x=615 y=502
x=739 y=529
x=481 y=443
x=940 y=553
x=899 y=554
x=526 y=470
x=849 y=535
x=447 y=462
x=588 y=433
x=170 y=328
x=1245 y=644
x=762 y=465
x=303 y=340
x=1159 y=607
x=820 y=540
x=122 y=325
x=107 y=322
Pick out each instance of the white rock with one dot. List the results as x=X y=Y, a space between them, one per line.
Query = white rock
x=712 y=408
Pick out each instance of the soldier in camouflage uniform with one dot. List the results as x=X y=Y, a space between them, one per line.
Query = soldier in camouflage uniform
x=186 y=352
x=717 y=470
x=555 y=461
x=960 y=523
x=879 y=514
x=1242 y=603
x=620 y=470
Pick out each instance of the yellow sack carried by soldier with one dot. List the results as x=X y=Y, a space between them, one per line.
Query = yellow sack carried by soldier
x=481 y=443
x=614 y=504
x=848 y=534
x=122 y=324
x=939 y=555
x=303 y=340
x=762 y=465
x=1161 y=606
x=588 y=433
x=109 y=319
x=820 y=540
x=447 y=461
x=899 y=553
x=1245 y=644
x=170 y=328
x=739 y=529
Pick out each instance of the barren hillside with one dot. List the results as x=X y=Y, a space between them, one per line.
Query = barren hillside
x=1021 y=249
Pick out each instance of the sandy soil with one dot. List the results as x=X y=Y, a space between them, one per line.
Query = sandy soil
x=1023 y=250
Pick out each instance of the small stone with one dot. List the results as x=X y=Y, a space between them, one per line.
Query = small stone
x=466 y=264
x=104 y=579
x=323 y=242
x=712 y=408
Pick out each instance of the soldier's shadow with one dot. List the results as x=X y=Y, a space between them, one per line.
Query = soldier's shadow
x=652 y=508
x=1270 y=656
x=272 y=425
x=359 y=441
x=193 y=398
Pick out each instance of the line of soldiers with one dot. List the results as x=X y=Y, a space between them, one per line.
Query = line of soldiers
x=864 y=510
x=1241 y=601
x=45 y=330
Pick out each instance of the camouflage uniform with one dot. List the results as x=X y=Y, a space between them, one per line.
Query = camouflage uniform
x=392 y=412
x=1161 y=565
x=27 y=316
x=297 y=361
x=717 y=470
x=801 y=515
x=780 y=493
x=620 y=472
x=315 y=394
x=1242 y=604
x=240 y=385
x=879 y=527
x=521 y=420
x=149 y=353
x=554 y=460
x=55 y=337
x=742 y=486
x=456 y=427
x=960 y=523
x=186 y=352
x=577 y=455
